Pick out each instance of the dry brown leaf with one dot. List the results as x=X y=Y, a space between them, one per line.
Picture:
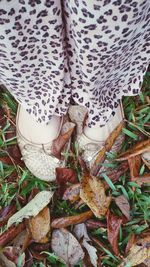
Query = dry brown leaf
x=72 y=193
x=93 y=224
x=92 y=192
x=143 y=179
x=108 y=144
x=134 y=166
x=13 y=156
x=137 y=149
x=81 y=233
x=123 y=205
x=6 y=213
x=70 y=220
x=139 y=252
x=39 y=226
x=60 y=142
x=6 y=261
x=21 y=242
x=66 y=247
x=115 y=174
x=66 y=175
x=113 y=227
x=10 y=234
x=130 y=243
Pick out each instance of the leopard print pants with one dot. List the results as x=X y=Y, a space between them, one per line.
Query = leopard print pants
x=91 y=51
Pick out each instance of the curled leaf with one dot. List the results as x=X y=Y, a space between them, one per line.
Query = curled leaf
x=113 y=227
x=70 y=220
x=137 y=149
x=107 y=146
x=39 y=225
x=92 y=192
x=66 y=247
x=32 y=208
x=60 y=142
x=123 y=205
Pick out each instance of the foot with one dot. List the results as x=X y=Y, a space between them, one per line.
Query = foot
x=93 y=139
x=35 y=142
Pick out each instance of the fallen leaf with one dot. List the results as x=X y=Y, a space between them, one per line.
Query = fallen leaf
x=139 y=252
x=130 y=243
x=82 y=164
x=137 y=149
x=6 y=160
x=134 y=166
x=21 y=242
x=93 y=224
x=81 y=233
x=10 y=234
x=107 y=146
x=143 y=179
x=14 y=152
x=39 y=226
x=86 y=261
x=123 y=205
x=72 y=193
x=29 y=259
x=70 y=220
x=92 y=192
x=65 y=175
x=40 y=247
x=5 y=262
x=6 y=213
x=60 y=142
x=99 y=244
x=113 y=227
x=32 y=208
x=66 y=247
x=10 y=258
x=115 y=174
x=13 y=156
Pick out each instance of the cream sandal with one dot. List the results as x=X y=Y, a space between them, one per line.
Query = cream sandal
x=37 y=156
x=88 y=147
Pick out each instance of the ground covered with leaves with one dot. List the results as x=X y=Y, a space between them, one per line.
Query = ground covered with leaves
x=81 y=219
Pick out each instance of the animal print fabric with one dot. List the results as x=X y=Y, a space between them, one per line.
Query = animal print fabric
x=92 y=51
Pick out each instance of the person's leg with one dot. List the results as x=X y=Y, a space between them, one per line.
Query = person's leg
x=33 y=67
x=110 y=43
x=32 y=59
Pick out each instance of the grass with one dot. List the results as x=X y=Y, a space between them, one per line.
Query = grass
x=17 y=182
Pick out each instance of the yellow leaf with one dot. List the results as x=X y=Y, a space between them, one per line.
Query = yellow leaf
x=39 y=226
x=92 y=192
x=139 y=252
